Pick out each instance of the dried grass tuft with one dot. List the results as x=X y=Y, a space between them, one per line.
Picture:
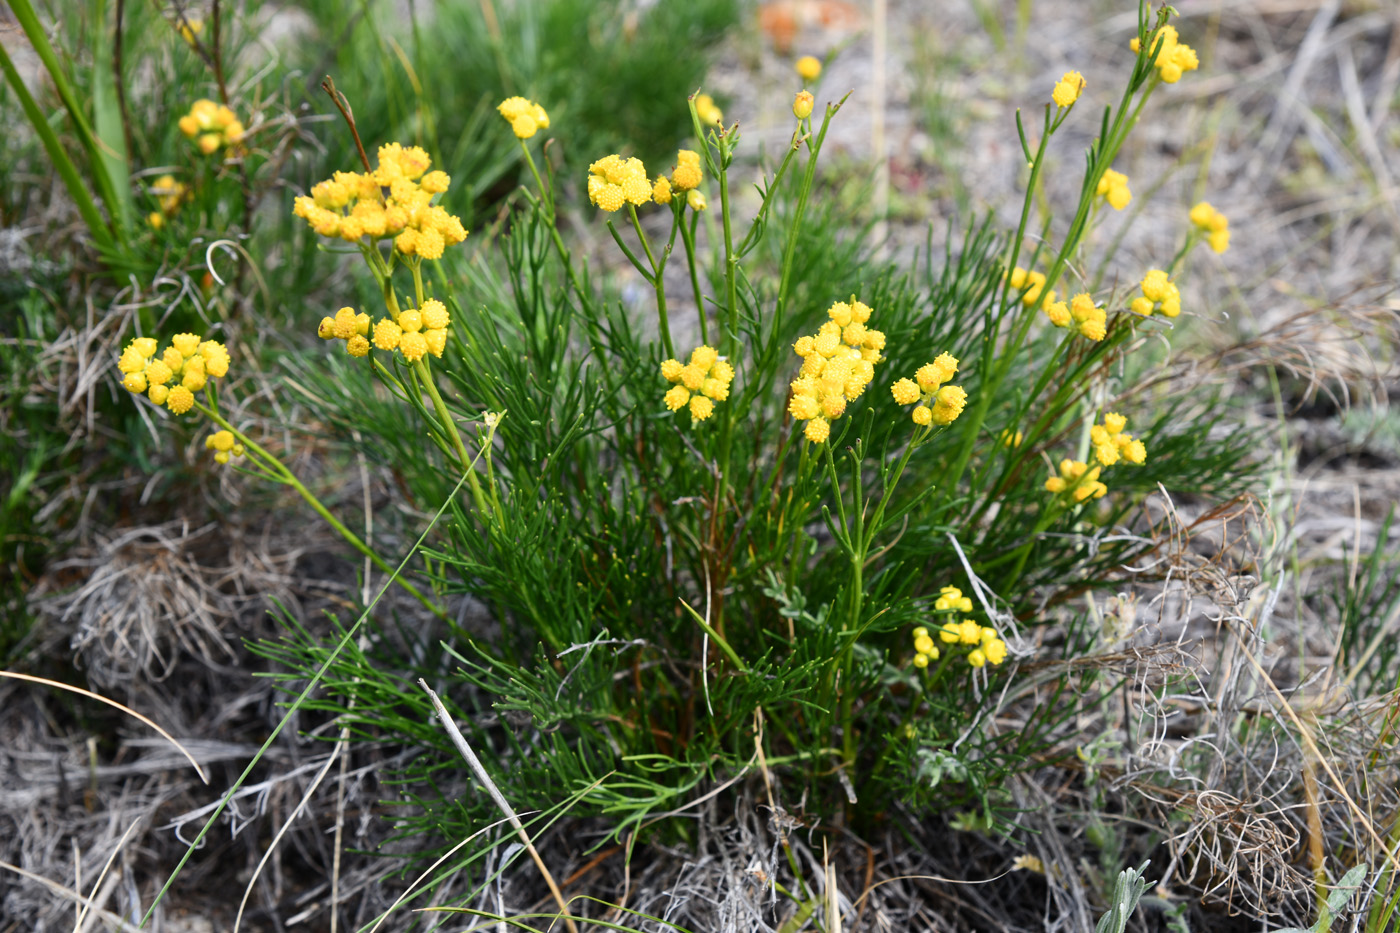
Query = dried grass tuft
x=156 y=593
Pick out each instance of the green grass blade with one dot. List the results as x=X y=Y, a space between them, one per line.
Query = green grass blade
x=73 y=181
x=34 y=30
x=110 y=136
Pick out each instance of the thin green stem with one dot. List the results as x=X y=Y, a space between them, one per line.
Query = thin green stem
x=287 y=477
x=688 y=239
x=425 y=377
x=658 y=278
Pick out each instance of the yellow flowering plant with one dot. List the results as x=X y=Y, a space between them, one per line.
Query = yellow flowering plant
x=790 y=484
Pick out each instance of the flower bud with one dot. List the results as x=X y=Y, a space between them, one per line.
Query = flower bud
x=802 y=105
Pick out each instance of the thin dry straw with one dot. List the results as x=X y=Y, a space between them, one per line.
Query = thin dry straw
x=461 y=742
x=125 y=709
x=114 y=920
x=267 y=856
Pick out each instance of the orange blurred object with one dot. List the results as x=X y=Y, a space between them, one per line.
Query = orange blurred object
x=782 y=20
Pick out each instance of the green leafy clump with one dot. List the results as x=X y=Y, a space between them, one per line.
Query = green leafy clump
x=681 y=571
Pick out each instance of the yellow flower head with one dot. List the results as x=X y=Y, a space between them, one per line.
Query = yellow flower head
x=906 y=392
x=707 y=111
x=1214 y=224
x=706 y=376
x=413 y=345
x=676 y=397
x=211 y=126
x=1174 y=57
x=436 y=338
x=695 y=200
x=180 y=400
x=1113 y=187
x=809 y=68
x=818 y=430
x=614 y=181
x=524 y=116
x=387 y=335
x=1068 y=89
x=661 y=190
x=686 y=174
x=1154 y=285
x=802 y=105
x=949 y=404
x=1034 y=285
x=1158 y=293
x=434 y=314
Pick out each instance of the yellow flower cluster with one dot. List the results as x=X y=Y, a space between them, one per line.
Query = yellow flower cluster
x=838 y=362
x=937 y=403
x=224 y=446
x=701 y=383
x=172 y=378
x=924 y=648
x=1113 y=186
x=526 y=118
x=211 y=126
x=1111 y=442
x=1080 y=480
x=1080 y=313
x=170 y=194
x=1159 y=293
x=1068 y=89
x=416 y=331
x=1034 y=284
x=348 y=326
x=1176 y=57
x=988 y=646
x=614 y=181
x=706 y=109
x=351 y=205
x=1215 y=225
x=951 y=599
x=809 y=68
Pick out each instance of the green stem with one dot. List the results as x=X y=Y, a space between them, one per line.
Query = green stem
x=658 y=278
x=688 y=238
x=287 y=477
x=546 y=195
x=425 y=376
x=808 y=177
